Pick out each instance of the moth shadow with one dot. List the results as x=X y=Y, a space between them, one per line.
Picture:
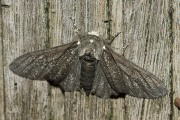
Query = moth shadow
x=121 y=95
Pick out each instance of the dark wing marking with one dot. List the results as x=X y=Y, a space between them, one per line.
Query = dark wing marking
x=49 y=64
x=101 y=87
x=126 y=77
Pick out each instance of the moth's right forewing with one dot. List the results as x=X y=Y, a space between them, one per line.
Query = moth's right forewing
x=44 y=64
x=143 y=83
x=114 y=75
x=126 y=77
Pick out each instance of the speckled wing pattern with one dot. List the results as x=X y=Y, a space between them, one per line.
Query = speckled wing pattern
x=126 y=77
x=53 y=65
x=114 y=74
x=101 y=86
x=72 y=81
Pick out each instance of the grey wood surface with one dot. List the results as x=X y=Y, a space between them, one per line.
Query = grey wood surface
x=1 y=72
x=151 y=29
x=176 y=57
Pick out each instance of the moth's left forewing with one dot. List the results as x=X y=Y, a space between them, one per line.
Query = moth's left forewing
x=72 y=81
x=50 y=64
x=126 y=77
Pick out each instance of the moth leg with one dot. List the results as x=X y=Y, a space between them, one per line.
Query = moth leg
x=81 y=90
x=125 y=44
x=125 y=47
x=112 y=38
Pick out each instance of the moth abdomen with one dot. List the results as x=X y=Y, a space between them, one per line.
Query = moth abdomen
x=88 y=68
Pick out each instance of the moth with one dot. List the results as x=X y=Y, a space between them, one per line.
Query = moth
x=89 y=64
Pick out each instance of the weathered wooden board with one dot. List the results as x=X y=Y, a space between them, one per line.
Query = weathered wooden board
x=146 y=27
x=150 y=28
x=176 y=57
x=1 y=71
x=24 y=30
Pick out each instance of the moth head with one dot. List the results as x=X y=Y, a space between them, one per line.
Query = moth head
x=91 y=45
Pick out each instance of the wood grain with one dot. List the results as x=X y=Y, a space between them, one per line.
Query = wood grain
x=176 y=57
x=2 y=115
x=151 y=28
x=147 y=29
x=24 y=30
